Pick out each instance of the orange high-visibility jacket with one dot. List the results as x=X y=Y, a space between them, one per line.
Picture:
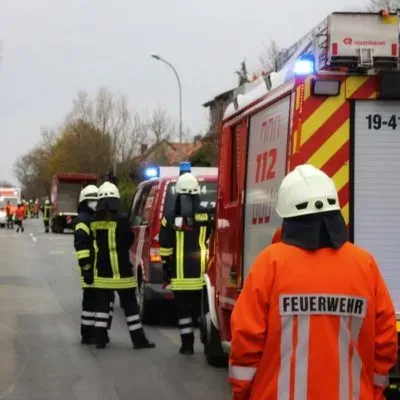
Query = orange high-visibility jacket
x=312 y=325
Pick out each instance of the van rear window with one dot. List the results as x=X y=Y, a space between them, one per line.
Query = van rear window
x=208 y=195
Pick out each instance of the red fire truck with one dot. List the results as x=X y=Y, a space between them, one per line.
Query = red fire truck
x=65 y=189
x=154 y=197
x=333 y=102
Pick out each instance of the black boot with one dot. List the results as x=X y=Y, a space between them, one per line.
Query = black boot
x=186 y=350
x=100 y=338
x=187 y=344
x=88 y=340
x=140 y=340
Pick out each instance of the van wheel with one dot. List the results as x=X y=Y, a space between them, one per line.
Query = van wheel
x=145 y=306
x=213 y=351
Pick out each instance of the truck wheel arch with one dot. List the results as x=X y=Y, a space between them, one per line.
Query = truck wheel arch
x=211 y=301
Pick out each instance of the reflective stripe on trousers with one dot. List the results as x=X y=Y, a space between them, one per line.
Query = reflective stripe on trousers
x=241 y=373
x=348 y=333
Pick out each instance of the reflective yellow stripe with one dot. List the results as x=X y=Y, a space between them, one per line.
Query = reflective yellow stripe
x=103 y=225
x=166 y=251
x=96 y=250
x=201 y=217
x=179 y=255
x=82 y=226
x=83 y=254
x=187 y=284
x=203 y=249
x=164 y=222
x=112 y=247
x=111 y=283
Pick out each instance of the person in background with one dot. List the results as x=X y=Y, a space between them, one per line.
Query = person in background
x=112 y=270
x=19 y=218
x=36 y=208
x=46 y=215
x=25 y=207
x=9 y=214
x=314 y=319
x=30 y=209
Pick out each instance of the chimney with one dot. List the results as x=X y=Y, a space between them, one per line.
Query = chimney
x=143 y=148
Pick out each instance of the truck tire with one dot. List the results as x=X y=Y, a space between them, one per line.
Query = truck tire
x=213 y=351
x=146 y=309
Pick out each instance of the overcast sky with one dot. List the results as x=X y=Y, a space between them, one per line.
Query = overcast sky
x=53 y=48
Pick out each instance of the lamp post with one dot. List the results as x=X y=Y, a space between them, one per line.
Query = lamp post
x=159 y=58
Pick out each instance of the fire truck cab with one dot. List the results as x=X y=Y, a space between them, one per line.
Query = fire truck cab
x=333 y=101
x=154 y=197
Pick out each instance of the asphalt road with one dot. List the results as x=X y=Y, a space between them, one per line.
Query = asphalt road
x=41 y=357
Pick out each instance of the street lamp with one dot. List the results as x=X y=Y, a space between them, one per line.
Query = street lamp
x=159 y=58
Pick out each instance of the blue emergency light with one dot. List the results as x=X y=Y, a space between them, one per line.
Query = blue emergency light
x=151 y=172
x=184 y=166
x=305 y=65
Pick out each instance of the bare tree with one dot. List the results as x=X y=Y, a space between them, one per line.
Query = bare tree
x=110 y=114
x=160 y=125
x=242 y=74
x=268 y=55
x=376 y=5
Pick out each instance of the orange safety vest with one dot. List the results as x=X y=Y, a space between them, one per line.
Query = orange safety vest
x=20 y=214
x=318 y=325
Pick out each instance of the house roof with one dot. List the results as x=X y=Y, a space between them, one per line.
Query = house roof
x=172 y=152
x=221 y=96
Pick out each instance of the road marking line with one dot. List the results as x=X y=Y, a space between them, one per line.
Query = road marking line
x=57 y=252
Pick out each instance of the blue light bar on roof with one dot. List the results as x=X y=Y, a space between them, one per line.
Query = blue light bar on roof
x=152 y=172
x=305 y=65
x=184 y=166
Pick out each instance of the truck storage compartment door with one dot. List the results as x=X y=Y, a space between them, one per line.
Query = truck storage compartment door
x=266 y=167
x=357 y=35
x=68 y=195
x=376 y=204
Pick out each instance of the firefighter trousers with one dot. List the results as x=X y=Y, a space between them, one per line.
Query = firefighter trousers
x=127 y=298
x=46 y=223
x=188 y=304
x=88 y=313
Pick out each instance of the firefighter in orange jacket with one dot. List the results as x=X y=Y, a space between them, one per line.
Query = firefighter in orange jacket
x=314 y=319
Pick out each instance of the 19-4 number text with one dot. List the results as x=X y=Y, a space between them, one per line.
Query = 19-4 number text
x=376 y=121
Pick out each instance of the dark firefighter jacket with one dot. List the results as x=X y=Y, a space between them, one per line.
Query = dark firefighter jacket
x=112 y=240
x=82 y=241
x=46 y=212
x=184 y=250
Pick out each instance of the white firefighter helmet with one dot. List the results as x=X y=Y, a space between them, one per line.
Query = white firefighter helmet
x=108 y=189
x=187 y=184
x=88 y=193
x=47 y=202
x=306 y=190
